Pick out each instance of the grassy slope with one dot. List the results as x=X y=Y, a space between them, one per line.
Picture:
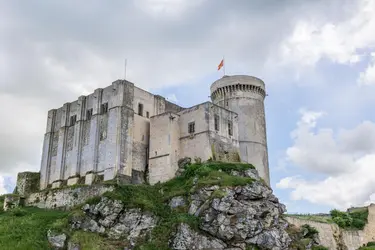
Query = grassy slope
x=26 y=228
x=312 y=217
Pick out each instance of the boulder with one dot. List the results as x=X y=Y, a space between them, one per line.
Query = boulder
x=57 y=240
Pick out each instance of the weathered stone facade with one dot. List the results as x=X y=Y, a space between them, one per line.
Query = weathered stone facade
x=123 y=132
x=245 y=95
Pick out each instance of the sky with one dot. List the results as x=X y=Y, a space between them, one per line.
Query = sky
x=317 y=59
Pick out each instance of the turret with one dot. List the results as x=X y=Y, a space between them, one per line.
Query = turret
x=245 y=96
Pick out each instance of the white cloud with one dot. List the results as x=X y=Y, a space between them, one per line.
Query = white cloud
x=309 y=146
x=2 y=186
x=172 y=98
x=346 y=158
x=339 y=41
x=368 y=76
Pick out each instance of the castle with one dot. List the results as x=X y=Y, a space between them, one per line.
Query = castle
x=125 y=133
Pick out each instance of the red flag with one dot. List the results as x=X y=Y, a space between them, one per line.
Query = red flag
x=220 y=65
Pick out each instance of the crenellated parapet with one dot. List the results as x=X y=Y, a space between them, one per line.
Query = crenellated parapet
x=233 y=89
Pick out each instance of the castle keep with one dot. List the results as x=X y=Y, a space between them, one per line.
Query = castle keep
x=124 y=132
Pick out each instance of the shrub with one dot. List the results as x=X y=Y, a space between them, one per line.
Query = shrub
x=356 y=220
x=311 y=231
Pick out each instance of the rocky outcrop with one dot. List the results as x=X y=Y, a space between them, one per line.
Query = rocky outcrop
x=230 y=217
x=186 y=238
x=241 y=216
x=112 y=220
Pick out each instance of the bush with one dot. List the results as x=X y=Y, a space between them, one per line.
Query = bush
x=355 y=220
x=311 y=231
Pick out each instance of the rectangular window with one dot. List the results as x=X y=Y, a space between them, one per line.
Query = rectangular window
x=147 y=114
x=140 y=109
x=217 y=122
x=73 y=120
x=191 y=127
x=89 y=114
x=104 y=108
x=230 y=128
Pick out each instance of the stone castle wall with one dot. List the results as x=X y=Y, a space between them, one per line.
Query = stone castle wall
x=245 y=96
x=171 y=139
x=66 y=198
x=164 y=147
x=84 y=137
x=328 y=233
x=333 y=237
x=108 y=134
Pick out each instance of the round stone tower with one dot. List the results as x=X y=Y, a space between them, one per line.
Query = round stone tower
x=245 y=95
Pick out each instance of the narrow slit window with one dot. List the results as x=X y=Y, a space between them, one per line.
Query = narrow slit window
x=147 y=114
x=191 y=127
x=89 y=114
x=140 y=109
x=104 y=108
x=230 y=128
x=217 y=119
x=73 y=120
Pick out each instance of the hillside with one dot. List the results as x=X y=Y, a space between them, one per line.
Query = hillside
x=208 y=206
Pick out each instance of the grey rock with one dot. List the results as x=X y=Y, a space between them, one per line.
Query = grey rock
x=133 y=224
x=73 y=246
x=194 y=206
x=187 y=239
x=244 y=214
x=182 y=164
x=252 y=173
x=57 y=240
x=271 y=239
x=92 y=226
x=178 y=201
x=255 y=191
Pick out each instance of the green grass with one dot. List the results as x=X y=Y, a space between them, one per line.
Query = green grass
x=27 y=228
x=369 y=246
x=311 y=217
x=93 y=241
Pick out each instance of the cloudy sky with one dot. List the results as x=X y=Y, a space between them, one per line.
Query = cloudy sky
x=317 y=59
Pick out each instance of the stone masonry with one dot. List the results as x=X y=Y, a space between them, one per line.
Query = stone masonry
x=122 y=132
